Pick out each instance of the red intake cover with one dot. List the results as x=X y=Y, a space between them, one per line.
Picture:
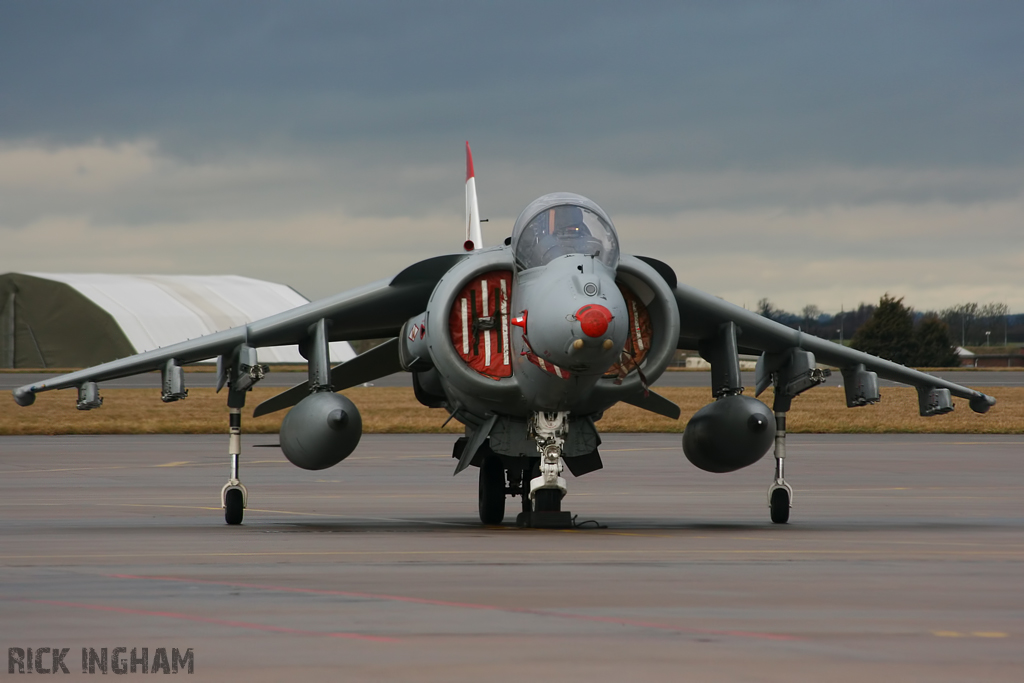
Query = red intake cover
x=478 y=323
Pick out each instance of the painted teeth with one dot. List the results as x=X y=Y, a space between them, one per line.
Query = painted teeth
x=607 y=345
x=578 y=344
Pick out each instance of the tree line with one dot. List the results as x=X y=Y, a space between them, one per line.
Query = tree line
x=895 y=331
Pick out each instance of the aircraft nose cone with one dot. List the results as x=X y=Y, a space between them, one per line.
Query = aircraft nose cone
x=594 y=319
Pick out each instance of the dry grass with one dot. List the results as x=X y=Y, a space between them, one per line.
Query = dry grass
x=395 y=410
x=139 y=411
x=823 y=411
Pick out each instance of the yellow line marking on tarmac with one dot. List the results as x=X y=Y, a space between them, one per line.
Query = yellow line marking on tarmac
x=156 y=505
x=606 y=532
x=289 y=512
x=826 y=491
x=974 y=634
x=135 y=465
x=364 y=517
x=399 y=457
x=480 y=552
x=989 y=634
x=73 y=469
x=968 y=544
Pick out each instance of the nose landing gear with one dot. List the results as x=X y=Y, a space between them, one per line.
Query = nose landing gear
x=542 y=509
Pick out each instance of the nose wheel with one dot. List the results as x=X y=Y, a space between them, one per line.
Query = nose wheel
x=547 y=500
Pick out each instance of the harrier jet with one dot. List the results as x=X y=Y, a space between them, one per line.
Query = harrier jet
x=526 y=343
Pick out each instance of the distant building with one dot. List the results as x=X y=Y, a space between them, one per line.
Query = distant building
x=969 y=359
x=70 y=320
x=747 y=363
x=966 y=356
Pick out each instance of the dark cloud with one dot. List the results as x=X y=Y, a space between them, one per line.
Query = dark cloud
x=192 y=116
x=640 y=88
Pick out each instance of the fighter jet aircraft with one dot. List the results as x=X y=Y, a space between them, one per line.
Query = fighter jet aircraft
x=526 y=344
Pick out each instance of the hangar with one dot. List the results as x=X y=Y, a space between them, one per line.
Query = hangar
x=75 y=320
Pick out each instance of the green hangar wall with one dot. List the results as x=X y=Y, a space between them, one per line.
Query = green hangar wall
x=75 y=320
x=49 y=324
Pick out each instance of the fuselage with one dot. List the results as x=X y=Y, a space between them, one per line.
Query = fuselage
x=553 y=321
x=574 y=323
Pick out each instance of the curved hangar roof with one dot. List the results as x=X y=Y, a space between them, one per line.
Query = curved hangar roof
x=77 y=320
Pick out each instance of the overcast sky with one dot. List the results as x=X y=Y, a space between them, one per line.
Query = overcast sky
x=810 y=153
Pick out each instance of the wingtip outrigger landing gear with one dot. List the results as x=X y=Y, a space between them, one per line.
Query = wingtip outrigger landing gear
x=239 y=372
x=780 y=493
x=792 y=373
x=234 y=497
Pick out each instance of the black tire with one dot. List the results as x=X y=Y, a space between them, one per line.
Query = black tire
x=492 y=490
x=529 y=472
x=780 y=506
x=547 y=500
x=233 y=506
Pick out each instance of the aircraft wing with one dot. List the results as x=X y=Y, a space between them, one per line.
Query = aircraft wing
x=701 y=315
x=373 y=311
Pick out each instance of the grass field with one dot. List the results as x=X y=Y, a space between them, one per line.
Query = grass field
x=394 y=410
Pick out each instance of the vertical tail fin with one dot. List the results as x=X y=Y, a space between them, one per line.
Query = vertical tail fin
x=474 y=240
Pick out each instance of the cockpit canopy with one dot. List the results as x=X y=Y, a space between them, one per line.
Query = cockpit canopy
x=563 y=223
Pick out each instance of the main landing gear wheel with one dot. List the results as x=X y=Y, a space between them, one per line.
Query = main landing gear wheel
x=233 y=506
x=779 y=505
x=492 y=490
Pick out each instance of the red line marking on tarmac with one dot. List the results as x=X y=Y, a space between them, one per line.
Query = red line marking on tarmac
x=469 y=605
x=208 y=620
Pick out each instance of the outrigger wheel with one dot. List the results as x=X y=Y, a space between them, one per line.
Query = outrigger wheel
x=492 y=490
x=779 y=505
x=233 y=506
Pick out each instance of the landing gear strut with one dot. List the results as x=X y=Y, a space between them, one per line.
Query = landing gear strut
x=792 y=372
x=234 y=497
x=780 y=493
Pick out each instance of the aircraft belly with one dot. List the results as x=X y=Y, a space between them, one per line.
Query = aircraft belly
x=511 y=436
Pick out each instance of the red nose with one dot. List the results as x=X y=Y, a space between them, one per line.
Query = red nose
x=594 y=319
